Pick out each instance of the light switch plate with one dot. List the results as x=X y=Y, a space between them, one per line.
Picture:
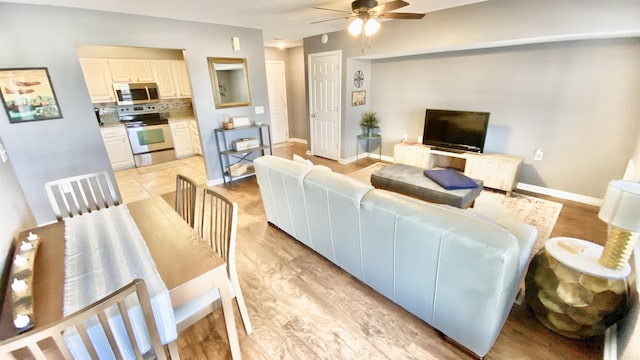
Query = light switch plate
x=538 y=155
x=259 y=110
x=235 y=42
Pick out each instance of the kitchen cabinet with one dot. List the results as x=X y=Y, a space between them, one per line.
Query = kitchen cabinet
x=181 y=134
x=131 y=70
x=97 y=76
x=118 y=148
x=195 y=136
x=172 y=78
x=243 y=159
x=182 y=83
x=165 y=78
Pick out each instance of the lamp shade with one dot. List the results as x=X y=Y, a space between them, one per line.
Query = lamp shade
x=621 y=205
x=356 y=26
x=371 y=26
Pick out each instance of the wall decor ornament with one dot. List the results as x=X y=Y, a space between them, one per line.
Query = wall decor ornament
x=358 y=78
x=358 y=98
x=27 y=95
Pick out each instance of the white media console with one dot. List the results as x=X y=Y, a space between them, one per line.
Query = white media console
x=497 y=171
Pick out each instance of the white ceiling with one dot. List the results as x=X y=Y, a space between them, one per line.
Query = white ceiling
x=282 y=21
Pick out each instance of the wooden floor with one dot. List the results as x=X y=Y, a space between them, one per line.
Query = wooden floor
x=304 y=307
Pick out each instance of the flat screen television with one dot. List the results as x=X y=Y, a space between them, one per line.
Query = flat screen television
x=455 y=130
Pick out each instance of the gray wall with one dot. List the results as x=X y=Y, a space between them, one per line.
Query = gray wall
x=570 y=99
x=296 y=94
x=46 y=150
x=465 y=36
x=296 y=89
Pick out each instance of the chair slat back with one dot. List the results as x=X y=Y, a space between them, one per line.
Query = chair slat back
x=186 y=195
x=48 y=343
x=217 y=224
x=81 y=194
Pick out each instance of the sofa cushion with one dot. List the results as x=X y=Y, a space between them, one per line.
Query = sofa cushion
x=333 y=208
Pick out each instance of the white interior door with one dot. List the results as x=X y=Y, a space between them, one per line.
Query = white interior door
x=324 y=103
x=276 y=86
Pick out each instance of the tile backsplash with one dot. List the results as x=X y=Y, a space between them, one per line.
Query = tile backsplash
x=173 y=107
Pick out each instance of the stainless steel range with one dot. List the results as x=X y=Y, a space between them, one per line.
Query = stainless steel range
x=149 y=134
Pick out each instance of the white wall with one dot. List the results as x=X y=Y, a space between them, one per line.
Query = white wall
x=632 y=172
x=46 y=150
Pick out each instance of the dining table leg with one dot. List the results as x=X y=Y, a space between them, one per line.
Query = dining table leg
x=227 y=309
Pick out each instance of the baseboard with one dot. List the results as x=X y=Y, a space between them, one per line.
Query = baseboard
x=611 y=343
x=301 y=141
x=375 y=156
x=560 y=194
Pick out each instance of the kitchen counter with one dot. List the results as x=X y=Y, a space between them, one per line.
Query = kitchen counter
x=111 y=124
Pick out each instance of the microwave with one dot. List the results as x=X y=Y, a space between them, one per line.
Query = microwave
x=136 y=93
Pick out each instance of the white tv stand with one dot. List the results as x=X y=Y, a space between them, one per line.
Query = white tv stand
x=497 y=171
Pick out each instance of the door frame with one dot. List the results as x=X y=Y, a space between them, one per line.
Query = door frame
x=284 y=90
x=339 y=100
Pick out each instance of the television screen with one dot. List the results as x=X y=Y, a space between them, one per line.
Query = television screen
x=455 y=130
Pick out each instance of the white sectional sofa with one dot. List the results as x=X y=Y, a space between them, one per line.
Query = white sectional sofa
x=457 y=271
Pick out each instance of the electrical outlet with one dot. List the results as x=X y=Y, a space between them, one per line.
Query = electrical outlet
x=404 y=137
x=259 y=110
x=3 y=153
x=538 y=155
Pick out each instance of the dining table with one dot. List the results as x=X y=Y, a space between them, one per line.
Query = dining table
x=187 y=265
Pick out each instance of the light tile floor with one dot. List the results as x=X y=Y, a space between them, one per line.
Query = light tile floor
x=155 y=180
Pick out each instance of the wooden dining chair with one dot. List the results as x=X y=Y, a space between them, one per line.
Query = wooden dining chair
x=186 y=195
x=216 y=223
x=81 y=194
x=48 y=343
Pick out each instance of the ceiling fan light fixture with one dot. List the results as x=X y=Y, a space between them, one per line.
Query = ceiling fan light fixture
x=356 y=27
x=371 y=27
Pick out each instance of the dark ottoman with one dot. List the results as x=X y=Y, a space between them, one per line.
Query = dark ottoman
x=410 y=180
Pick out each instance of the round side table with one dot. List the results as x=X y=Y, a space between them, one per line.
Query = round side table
x=368 y=139
x=571 y=293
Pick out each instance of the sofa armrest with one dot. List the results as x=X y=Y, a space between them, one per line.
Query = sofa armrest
x=526 y=236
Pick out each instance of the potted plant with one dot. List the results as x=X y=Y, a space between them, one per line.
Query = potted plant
x=369 y=122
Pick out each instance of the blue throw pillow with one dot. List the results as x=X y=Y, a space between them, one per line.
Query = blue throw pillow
x=450 y=179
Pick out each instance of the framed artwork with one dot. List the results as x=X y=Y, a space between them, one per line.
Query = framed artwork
x=358 y=97
x=27 y=95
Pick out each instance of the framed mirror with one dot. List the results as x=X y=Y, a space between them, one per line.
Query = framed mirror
x=230 y=82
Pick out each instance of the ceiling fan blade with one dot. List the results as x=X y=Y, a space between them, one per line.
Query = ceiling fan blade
x=389 y=6
x=342 y=11
x=321 y=21
x=404 y=16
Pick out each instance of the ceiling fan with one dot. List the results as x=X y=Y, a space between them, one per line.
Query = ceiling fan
x=365 y=12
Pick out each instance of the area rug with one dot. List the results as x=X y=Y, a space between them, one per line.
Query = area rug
x=539 y=213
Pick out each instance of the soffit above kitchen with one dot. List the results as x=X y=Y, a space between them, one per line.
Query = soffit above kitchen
x=283 y=22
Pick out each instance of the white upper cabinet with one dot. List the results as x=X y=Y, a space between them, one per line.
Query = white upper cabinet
x=100 y=73
x=183 y=86
x=172 y=78
x=165 y=78
x=128 y=70
x=98 y=79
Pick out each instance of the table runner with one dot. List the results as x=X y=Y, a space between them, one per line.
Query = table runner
x=105 y=251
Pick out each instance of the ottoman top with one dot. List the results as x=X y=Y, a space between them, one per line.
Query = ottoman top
x=410 y=180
